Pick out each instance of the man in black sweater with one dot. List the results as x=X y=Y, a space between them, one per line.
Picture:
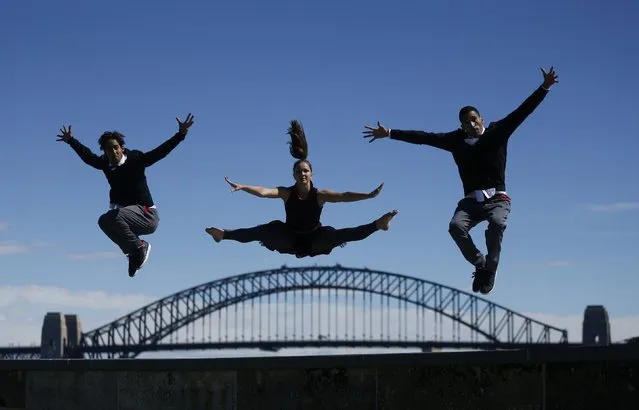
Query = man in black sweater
x=132 y=211
x=480 y=154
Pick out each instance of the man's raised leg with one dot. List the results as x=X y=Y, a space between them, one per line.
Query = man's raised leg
x=123 y=226
x=467 y=215
x=497 y=211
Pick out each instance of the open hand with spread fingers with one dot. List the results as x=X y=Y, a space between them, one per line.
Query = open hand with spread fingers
x=376 y=133
x=376 y=191
x=550 y=77
x=236 y=187
x=65 y=134
x=184 y=126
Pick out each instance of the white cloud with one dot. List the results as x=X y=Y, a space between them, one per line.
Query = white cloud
x=59 y=298
x=43 y=244
x=4 y=225
x=24 y=307
x=613 y=207
x=94 y=255
x=12 y=248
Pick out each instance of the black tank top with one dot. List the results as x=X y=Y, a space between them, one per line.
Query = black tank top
x=303 y=215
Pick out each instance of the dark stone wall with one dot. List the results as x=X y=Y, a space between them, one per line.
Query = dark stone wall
x=601 y=377
x=509 y=386
x=12 y=389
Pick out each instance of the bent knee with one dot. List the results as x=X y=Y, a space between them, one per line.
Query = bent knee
x=498 y=225
x=456 y=226
x=104 y=220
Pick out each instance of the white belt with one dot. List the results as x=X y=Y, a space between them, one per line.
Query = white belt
x=116 y=206
x=481 y=194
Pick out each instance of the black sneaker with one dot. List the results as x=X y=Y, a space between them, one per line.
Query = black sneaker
x=487 y=283
x=138 y=257
x=478 y=275
x=483 y=280
x=476 y=279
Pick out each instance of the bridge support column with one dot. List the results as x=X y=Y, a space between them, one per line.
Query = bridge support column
x=74 y=332
x=54 y=336
x=596 y=326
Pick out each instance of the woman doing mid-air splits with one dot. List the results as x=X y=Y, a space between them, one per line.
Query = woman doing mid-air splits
x=302 y=234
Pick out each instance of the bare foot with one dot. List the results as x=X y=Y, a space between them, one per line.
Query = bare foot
x=383 y=223
x=217 y=234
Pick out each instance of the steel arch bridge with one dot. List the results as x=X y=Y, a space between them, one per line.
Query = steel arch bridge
x=145 y=328
x=332 y=306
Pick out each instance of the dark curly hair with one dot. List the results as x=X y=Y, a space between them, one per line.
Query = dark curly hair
x=111 y=135
x=298 y=146
x=466 y=110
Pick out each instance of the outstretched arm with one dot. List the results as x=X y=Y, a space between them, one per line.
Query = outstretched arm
x=258 y=191
x=151 y=157
x=85 y=154
x=441 y=140
x=326 y=195
x=513 y=120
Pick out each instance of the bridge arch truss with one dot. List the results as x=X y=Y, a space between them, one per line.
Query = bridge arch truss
x=366 y=308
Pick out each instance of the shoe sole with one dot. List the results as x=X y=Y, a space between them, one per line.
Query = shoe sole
x=146 y=257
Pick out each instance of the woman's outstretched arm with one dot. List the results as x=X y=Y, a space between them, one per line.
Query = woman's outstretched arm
x=326 y=195
x=261 y=192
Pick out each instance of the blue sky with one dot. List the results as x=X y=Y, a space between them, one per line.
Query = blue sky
x=246 y=68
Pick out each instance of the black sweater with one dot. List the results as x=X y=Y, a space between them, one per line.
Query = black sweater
x=128 y=181
x=482 y=165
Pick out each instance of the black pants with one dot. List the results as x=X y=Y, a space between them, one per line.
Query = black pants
x=468 y=214
x=276 y=236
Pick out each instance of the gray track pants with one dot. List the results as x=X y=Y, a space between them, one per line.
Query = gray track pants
x=468 y=214
x=123 y=225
